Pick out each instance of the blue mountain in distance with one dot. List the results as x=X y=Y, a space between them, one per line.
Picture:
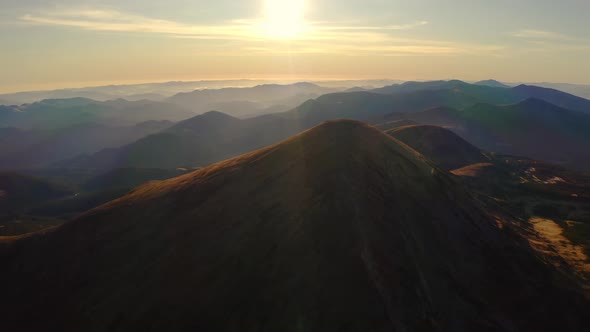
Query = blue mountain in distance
x=193 y=144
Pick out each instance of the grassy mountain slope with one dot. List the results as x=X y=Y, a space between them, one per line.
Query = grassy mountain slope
x=341 y=227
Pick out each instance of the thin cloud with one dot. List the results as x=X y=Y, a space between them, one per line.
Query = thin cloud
x=316 y=37
x=386 y=27
x=109 y=20
x=541 y=34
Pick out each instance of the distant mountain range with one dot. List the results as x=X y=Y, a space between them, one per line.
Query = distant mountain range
x=62 y=113
x=160 y=91
x=131 y=92
x=459 y=94
x=517 y=127
x=249 y=101
x=575 y=89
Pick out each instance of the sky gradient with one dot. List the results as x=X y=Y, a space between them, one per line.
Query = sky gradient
x=54 y=44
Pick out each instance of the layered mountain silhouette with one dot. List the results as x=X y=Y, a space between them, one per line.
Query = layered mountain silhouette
x=341 y=227
x=505 y=127
x=195 y=142
x=131 y=92
x=441 y=145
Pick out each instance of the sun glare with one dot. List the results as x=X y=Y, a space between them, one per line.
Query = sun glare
x=284 y=18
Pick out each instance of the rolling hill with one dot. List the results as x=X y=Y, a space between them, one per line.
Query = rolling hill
x=532 y=128
x=441 y=145
x=339 y=227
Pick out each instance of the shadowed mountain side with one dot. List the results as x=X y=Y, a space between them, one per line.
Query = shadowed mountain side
x=339 y=227
x=440 y=145
x=18 y=191
x=99 y=190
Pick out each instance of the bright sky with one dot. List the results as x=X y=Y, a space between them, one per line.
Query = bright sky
x=69 y=43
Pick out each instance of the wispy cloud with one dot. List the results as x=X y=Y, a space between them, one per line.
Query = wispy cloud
x=408 y=26
x=316 y=37
x=541 y=35
x=110 y=20
x=549 y=42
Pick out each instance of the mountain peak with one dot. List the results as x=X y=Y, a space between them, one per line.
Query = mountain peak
x=334 y=142
x=492 y=83
x=216 y=115
x=207 y=121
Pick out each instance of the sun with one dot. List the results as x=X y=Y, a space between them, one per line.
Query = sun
x=284 y=18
